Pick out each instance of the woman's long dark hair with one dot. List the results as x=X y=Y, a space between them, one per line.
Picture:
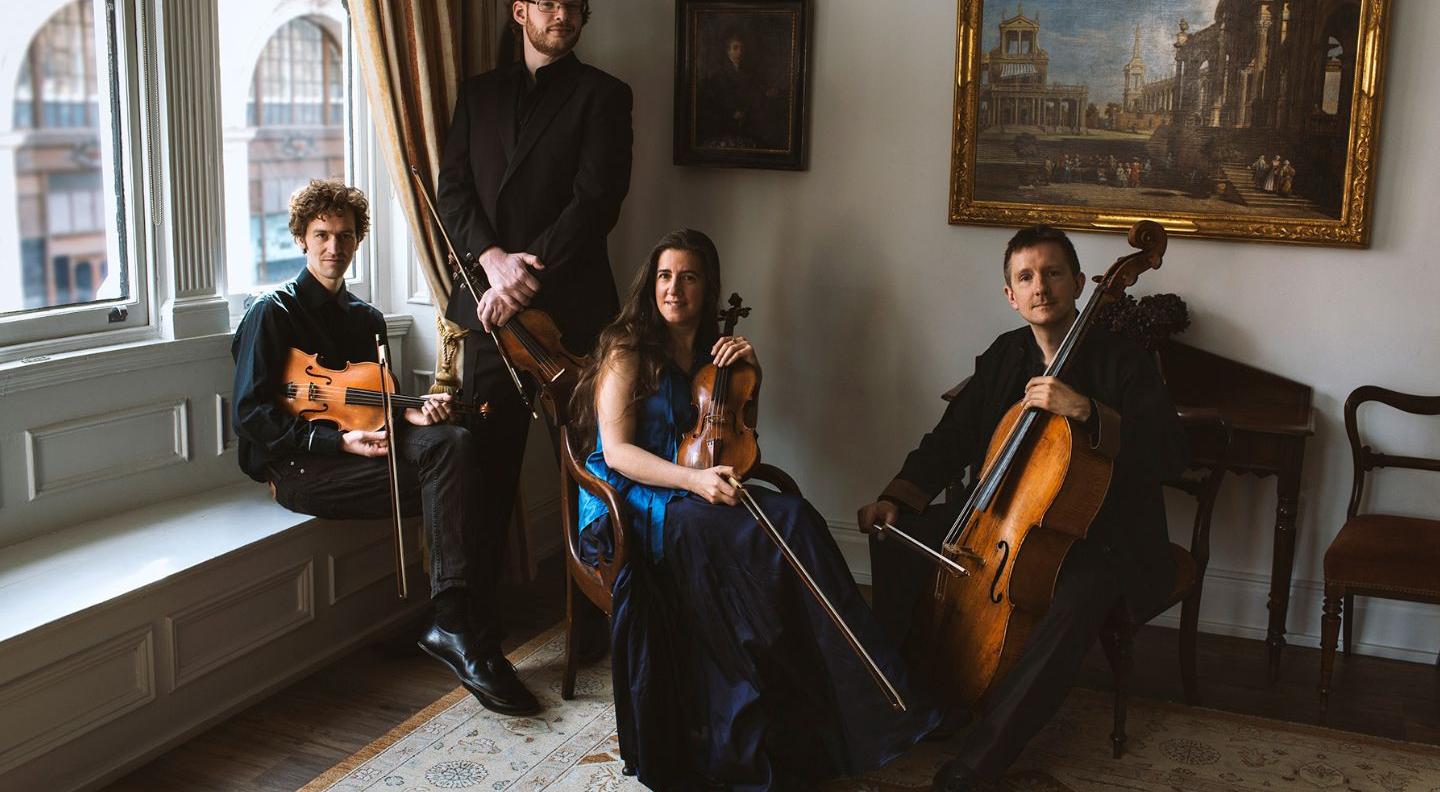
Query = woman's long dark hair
x=641 y=331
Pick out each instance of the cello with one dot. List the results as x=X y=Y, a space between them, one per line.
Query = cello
x=1039 y=489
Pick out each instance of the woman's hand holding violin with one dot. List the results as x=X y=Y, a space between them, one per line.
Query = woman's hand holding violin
x=712 y=485
x=729 y=349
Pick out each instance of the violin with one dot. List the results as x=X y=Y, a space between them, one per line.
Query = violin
x=1038 y=490
x=529 y=342
x=352 y=397
x=726 y=404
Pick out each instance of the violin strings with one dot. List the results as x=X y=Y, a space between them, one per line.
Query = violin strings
x=357 y=396
x=536 y=350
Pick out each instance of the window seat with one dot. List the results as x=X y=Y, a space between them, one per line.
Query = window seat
x=127 y=635
x=66 y=572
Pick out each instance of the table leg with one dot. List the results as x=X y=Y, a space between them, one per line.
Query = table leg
x=1283 y=561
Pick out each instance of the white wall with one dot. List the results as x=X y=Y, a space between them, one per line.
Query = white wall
x=868 y=305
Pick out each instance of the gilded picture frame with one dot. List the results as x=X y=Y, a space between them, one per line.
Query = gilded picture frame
x=1234 y=119
x=741 y=83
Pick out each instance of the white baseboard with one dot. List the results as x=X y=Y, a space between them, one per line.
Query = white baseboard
x=1235 y=604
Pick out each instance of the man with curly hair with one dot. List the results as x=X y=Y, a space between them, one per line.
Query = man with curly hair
x=314 y=468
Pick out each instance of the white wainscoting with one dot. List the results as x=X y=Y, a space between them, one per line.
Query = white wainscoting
x=87 y=697
x=1235 y=603
x=74 y=695
x=239 y=621
x=114 y=444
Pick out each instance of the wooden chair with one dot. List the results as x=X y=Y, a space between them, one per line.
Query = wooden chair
x=1377 y=555
x=1118 y=636
x=594 y=583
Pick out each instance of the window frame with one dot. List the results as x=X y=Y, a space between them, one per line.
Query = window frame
x=44 y=331
x=362 y=170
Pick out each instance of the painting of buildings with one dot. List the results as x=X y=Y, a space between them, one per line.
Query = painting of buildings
x=1239 y=107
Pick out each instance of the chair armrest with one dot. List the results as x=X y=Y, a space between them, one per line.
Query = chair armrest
x=950 y=395
x=619 y=515
x=775 y=477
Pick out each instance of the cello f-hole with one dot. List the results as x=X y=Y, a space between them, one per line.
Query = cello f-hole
x=1004 y=548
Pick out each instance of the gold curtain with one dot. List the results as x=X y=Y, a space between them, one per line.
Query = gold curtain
x=413 y=55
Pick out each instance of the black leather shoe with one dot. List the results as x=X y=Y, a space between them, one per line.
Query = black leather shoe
x=954 y=776
x=487 y=675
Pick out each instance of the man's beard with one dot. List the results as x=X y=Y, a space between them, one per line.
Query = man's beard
x=540 y=40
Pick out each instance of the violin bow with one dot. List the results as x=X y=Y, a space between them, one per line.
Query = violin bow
x=896 y=702
x=884 y=529
x=470 y=286
x=392 y=467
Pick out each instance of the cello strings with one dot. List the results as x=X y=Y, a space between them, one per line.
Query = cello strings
x=989 y=484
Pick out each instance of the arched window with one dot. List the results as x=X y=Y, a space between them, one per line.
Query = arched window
x=297 y=107
x=298 y=81
x=58 y=170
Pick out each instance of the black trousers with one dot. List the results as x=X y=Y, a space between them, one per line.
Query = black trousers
x=1027 y=697
x=504 y=432
x=436 y=481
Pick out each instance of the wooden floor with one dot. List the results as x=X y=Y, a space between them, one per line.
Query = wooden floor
x=285 y=741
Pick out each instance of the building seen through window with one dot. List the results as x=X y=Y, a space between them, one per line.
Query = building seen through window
x=293 y=130
x=58 y=166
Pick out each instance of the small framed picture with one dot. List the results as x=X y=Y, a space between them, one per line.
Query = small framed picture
x=740 y=83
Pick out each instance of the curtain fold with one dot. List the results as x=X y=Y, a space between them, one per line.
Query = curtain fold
x=413 y=55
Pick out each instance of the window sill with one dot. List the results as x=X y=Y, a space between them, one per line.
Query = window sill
x=63 y=367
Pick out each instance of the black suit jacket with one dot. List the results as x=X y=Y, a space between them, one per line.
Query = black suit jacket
x=553 y=190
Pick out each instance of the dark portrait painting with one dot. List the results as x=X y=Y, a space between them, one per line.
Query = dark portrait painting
x=740 y=83
x=1231 y=118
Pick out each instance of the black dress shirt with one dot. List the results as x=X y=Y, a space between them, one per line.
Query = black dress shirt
x=530 y=92
x=302 y=314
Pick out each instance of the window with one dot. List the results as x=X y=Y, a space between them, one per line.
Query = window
x=295 y=126
x=63 y=262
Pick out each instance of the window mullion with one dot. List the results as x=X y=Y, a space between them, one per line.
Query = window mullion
x=190 y=252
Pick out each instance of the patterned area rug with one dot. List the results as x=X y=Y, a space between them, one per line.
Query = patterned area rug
x=571 y=747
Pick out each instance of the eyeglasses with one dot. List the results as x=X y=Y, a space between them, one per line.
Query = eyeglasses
x=552 y=7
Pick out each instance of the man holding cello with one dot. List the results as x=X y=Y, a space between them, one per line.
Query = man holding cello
x=315 y=468
x=1111 y=392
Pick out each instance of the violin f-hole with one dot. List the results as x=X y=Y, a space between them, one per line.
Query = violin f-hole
x=1004 y=548
x=310 y=370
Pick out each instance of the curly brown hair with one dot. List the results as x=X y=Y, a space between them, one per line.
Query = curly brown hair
x=328 y=197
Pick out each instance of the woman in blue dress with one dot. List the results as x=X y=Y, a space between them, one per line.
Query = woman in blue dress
x=727 y=673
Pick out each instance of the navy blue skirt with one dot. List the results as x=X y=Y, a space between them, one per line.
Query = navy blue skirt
x=728 y=673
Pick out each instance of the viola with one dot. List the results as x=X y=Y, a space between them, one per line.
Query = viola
x=1039 y=488
x=352 y=397
x=529 y=342
x=725 y=400
x=726 y=403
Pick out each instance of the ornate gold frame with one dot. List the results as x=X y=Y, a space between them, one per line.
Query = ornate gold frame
x=1351 y=230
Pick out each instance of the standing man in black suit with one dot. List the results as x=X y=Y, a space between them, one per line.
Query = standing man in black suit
x=534 y=170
